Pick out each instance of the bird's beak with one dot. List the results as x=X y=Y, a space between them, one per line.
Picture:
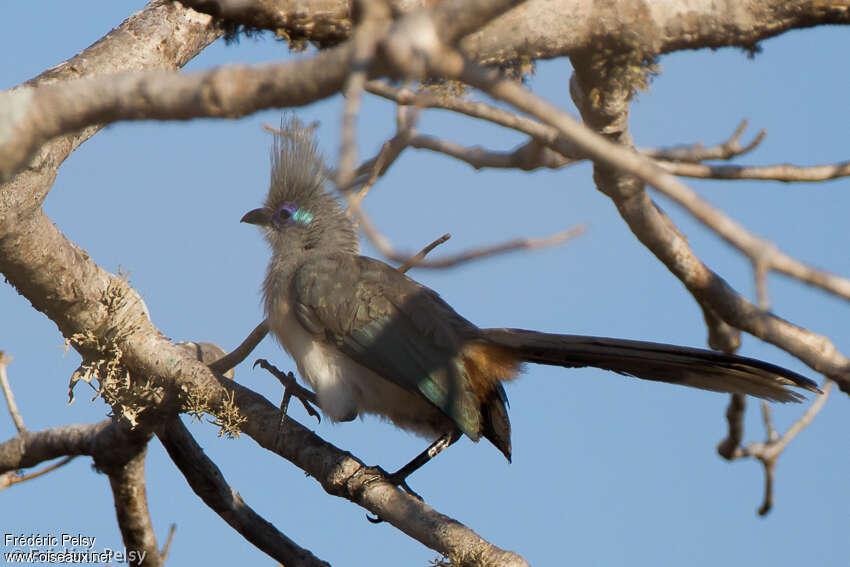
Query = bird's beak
x=259 y=217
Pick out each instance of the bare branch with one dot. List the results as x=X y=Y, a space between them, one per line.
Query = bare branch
x=143 y=347
x=37 y=115
x=127 y=481
x=541 y=132
x=654 y=229
x=326 y=23
x=721 y=335
x=376 y=167
x=527 y=157
x=509 y=246
x=786 y=173
x=9 y=478
x=29 y=448
x=7 y=392
x=376 y=19
x=414 y=260
x=241 y=352
x=206 y=480
x=547 y=28
x=760 y=271
x=33 y=116
x=166 y=547
x=804 y=421
x=767 y=452
x=387 y=250
x=163 y=35
x=730 y=447
x=696 y=153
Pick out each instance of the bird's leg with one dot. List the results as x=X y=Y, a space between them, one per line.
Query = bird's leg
x=399 y=478
x=442 y=443
x=290 y=388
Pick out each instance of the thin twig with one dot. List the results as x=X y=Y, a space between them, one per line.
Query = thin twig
x=15 y=479
x=509 y=246
x=547 y=134
x=377 y=166
x=241 y=352
x=364 y=42
x=527 y=157
x=167 y=545
x=769 y=475
x=804 y=420
x=770 y=431
x=541 y=132
x=730 y=448
x=414 y=260
x=654 y=231
x=696 y=153
x=7 y=392
x=760 y=272
x=766 y=452
x=385 y=247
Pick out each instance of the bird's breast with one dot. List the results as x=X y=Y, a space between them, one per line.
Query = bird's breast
x=346 y=389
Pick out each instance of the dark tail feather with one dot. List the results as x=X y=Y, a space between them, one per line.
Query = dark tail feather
x=697 y=368
x=495 y=421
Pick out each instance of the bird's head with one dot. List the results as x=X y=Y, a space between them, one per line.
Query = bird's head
x=298 y=213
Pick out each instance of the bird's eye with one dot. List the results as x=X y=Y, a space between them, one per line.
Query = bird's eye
x=285 y=212
x=290 y=214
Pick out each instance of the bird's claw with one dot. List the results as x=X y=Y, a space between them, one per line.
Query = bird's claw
x=399 y=481
x=291 y=388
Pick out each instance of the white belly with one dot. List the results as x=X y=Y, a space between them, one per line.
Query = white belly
x=346 y=389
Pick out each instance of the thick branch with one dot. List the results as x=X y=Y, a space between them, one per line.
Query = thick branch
x=546 y=29
x=78 y=303
x=33 y=116
x=37 y=115
x=30 y=448
x=127 y=481
x=209 y=484
x=161 y=36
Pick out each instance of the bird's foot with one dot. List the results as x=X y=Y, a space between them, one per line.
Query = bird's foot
x=290 y=388
x=399 y=479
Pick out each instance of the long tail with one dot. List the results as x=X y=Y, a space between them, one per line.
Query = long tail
x=697 y=368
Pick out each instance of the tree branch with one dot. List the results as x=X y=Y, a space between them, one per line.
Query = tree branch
x=542 y=29
x=786 y=173
x=696 y=153
x=768 y=451
x=163 y=35
x=209 y=484
x=7 y=393
x=29 y=448
x=127 y=481
x=653 y=228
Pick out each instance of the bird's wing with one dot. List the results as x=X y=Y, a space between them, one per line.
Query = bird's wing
x=697 y=368
x=393 y=326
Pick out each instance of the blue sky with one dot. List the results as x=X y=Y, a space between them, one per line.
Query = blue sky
x=607 y=470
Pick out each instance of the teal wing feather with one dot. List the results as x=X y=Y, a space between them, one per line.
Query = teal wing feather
x=393 y=326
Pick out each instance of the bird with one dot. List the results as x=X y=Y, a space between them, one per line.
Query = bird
x=368 y=339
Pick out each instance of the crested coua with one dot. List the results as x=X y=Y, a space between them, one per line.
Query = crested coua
x=370 y=340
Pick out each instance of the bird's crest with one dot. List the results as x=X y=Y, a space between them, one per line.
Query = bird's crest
x=298 y=173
